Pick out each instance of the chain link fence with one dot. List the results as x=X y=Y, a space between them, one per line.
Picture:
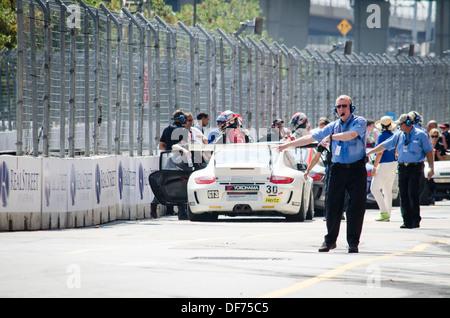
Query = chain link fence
x=87 y=81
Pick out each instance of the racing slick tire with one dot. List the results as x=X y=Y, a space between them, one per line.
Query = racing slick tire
x=300 y=215
x=203 y=217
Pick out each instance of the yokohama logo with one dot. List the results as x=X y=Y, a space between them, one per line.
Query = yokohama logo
x=242 y=187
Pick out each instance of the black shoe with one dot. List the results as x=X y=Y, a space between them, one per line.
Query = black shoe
x=327 y=247
x=353 y=249
x=403 y=226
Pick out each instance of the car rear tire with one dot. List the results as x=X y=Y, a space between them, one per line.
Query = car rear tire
x=203 y=217
x=301 y=214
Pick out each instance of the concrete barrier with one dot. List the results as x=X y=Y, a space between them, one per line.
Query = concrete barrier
x=54 y=193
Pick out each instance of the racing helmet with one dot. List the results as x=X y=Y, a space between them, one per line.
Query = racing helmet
x=299 y=120
x=228 y=119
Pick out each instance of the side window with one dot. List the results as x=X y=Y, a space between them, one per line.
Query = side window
x=289 y=160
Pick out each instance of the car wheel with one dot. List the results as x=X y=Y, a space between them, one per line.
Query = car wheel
x=203 y=217
x=300 y=215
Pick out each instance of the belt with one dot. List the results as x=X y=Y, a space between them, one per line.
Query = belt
x=407 y=164
x=350 y=165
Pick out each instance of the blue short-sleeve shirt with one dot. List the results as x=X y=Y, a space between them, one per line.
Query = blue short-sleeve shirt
x=411 y=147
x=388 y=155
x=346 y=151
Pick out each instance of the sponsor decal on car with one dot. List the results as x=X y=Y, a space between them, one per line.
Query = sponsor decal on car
x=242 y=187
x=272 y=200
x=213 y=194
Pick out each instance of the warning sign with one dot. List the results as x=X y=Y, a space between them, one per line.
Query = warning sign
x=344 y=27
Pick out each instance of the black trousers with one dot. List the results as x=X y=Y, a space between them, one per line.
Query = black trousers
x=352 y=178
x=409 y=179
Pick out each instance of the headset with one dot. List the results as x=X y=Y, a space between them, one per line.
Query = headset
x=409 y=122
x=181 y=118
x=416 y=119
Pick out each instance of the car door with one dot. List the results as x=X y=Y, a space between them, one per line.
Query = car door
x=169 y=184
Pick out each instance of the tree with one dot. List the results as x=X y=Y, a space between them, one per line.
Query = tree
x=8 y=24
x=226 y=15
x=211 y=14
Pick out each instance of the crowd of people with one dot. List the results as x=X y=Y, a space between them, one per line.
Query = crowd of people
x=348 y=141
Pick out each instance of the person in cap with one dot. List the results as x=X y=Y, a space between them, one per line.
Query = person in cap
x=383 y=172
x=417 y=120
x=276 y=131
x=413 y=145
x=346 y=138
x=446 y=135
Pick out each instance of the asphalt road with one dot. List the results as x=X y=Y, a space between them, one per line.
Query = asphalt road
x=230 y=258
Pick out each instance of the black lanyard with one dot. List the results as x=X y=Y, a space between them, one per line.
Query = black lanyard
x=407 y=139
x=348 y=125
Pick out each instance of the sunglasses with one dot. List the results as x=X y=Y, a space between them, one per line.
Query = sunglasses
x=339 y=106
x=434 y=136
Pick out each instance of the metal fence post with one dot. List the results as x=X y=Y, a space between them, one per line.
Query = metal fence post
x=211 y=72
x=155 y=32
x=140 y=138
x=192 y=65
x=118 y=102
x=20 y=77
x=260 y=111
x=45 y=7
x=233 y=67
x=172 y=70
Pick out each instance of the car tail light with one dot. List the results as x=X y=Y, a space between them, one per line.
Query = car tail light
x=205 y=180
x=316 y=176
x=281 y=179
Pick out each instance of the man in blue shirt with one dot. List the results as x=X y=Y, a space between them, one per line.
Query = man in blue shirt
x=347 y=139
x=413 y=145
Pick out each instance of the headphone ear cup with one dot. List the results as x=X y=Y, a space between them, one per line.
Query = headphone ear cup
x=335 y=110
x=352 y=108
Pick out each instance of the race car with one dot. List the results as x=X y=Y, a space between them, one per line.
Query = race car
x=239 y=180
x=438 y=188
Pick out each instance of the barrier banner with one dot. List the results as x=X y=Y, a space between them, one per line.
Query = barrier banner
x=55 y=184
x=20 y=184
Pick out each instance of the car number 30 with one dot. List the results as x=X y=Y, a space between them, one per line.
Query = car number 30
x=271 y=189
x=213 y=194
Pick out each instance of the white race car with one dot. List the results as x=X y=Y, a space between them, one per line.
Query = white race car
x=438 y=188
x=241 y=180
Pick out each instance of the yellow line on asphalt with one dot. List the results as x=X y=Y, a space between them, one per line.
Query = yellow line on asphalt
x=339 y=270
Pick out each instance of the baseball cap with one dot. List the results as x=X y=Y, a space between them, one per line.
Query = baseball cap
x=402 y=119
x=445 y=125
x=278 y=120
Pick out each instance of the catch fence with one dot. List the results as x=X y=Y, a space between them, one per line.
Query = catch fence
x=88 y=81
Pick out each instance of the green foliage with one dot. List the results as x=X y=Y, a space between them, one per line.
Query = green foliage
x=8 y=24
x=211 y=14
x=224 y=14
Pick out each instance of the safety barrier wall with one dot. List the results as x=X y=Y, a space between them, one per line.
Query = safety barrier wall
x=54 y=193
